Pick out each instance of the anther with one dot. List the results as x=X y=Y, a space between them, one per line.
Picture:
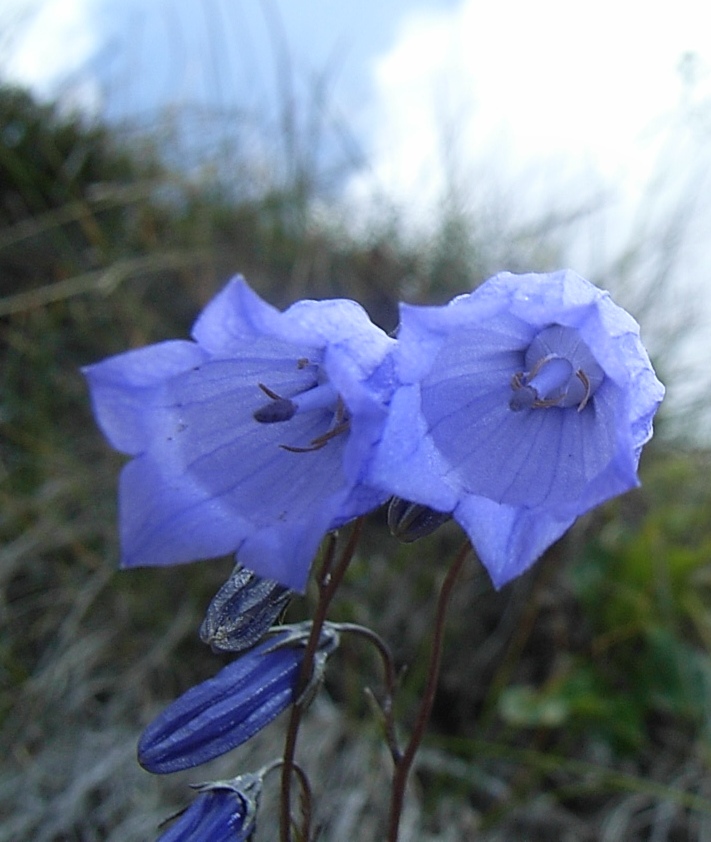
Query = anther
x=321 y=397
x=341 y=424
x=585 y=380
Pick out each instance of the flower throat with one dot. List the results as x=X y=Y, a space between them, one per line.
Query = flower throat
x=560 y=372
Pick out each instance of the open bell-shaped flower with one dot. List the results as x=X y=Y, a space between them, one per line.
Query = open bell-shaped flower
x=254 y=438
x=519 y=407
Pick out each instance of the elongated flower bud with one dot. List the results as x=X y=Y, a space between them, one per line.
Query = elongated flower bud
x=223 y=712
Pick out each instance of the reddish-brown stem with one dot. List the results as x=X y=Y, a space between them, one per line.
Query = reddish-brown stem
x=402 y=768
x=386 y=706
x=330 y=578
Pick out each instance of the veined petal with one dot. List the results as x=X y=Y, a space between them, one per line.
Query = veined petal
x=266 y=508
x=216 y=471
x=216 y=481
x=520 y=406
x=408 y=463
x=516 y=458
x=122 y=386
x=237 y=314
x=508 y=539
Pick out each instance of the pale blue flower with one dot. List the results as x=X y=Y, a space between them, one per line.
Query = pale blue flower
x=519 y=407
x=254 y=438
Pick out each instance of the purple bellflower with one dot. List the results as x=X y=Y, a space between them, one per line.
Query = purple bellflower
x=521 y=406
x=219 y=714
x=253 y=438
x=224 y=811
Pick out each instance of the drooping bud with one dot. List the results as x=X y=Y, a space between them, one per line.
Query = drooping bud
x=411 y=521
x=242 y=611
x=223 y=712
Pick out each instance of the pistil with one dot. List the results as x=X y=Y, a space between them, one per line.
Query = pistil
x=320 y=397
x=562 y=372
x=323 y=396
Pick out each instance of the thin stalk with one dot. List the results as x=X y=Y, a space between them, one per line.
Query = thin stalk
x=403 y=767
x=329 y=580
x=386 y=706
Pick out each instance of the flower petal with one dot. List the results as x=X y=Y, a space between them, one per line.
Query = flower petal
x=508 y=539
x=517 y=471
x=122 y=386
x=214 y=472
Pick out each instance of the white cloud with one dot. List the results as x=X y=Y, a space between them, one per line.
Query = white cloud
x=544 y=106
x=551 y=86
x=53 y=39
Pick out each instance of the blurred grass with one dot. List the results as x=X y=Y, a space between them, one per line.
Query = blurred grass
x=573 y=702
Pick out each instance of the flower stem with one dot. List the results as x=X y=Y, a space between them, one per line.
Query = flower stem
x=386 y=706
x=403 y=766
x=330 y=578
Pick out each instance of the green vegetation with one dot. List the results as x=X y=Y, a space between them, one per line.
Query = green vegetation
x=575 y=701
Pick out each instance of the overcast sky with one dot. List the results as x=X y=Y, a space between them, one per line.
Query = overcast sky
x=550 y=86
x=587 y=83
x=550 y=80
x=553 y=101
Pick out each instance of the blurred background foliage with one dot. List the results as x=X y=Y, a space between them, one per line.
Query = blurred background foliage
x=573 y=704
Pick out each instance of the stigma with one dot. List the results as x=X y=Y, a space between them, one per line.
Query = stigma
x=320 y=397
x=560 y=372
